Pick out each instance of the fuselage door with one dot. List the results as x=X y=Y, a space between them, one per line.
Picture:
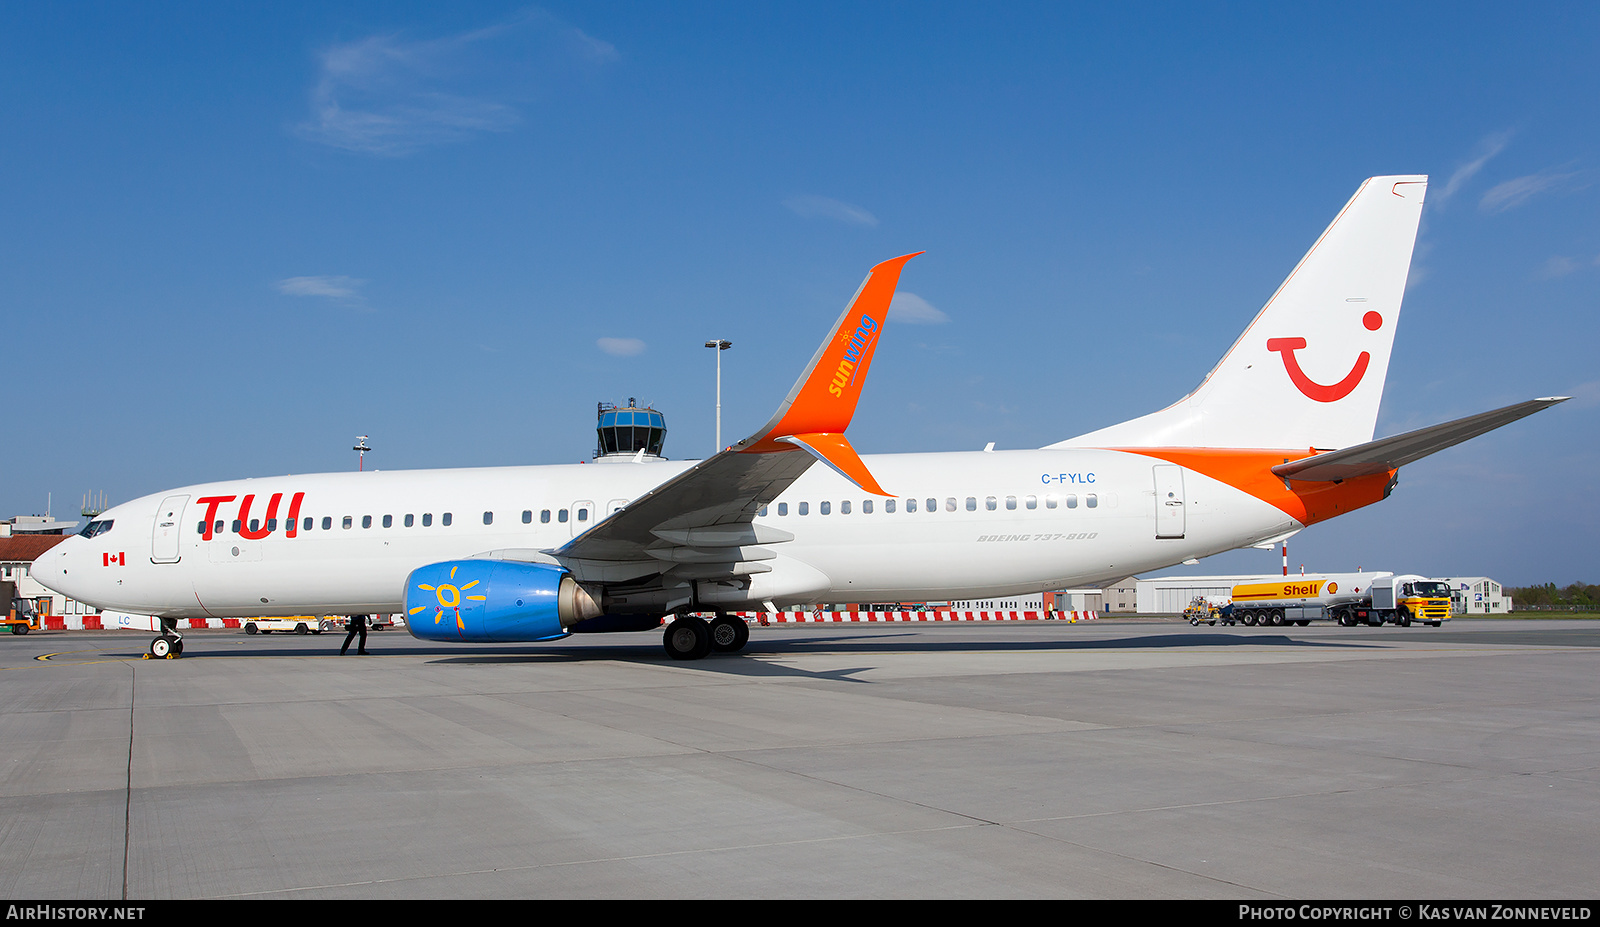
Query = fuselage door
x=583 y=517
x=168 y=529
x=1169 y=501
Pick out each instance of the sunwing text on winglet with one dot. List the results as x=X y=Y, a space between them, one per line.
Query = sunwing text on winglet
x=820 y=406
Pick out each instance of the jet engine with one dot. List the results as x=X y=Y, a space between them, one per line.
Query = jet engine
x=495 y=600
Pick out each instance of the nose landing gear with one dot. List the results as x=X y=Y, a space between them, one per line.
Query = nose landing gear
x=168 y=646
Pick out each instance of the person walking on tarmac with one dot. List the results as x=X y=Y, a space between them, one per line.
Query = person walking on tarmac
x=357 y=625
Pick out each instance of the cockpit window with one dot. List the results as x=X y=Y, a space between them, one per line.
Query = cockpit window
x=97 y=528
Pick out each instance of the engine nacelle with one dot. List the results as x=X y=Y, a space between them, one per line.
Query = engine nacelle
x=494 y=600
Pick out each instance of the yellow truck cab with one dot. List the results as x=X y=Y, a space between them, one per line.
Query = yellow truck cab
x=1406 y=598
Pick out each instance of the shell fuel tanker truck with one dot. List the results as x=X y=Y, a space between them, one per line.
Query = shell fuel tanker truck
x=1348 y=598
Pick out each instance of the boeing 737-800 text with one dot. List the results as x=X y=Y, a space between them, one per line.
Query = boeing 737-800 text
x=1278 y=436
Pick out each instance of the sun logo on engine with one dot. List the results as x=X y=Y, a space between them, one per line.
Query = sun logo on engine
x=449 y=596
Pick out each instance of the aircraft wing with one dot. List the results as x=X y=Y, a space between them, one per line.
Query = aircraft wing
x=698 y=524
x=1392 y=453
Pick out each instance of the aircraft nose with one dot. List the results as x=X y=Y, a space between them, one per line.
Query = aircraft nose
x=54 y=568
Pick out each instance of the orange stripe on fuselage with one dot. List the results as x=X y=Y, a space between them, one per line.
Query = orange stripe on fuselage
x=1249 y=470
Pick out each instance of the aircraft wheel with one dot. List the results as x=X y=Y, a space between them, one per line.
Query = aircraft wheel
x=160 y=647
x=177 y=646
x=729 y=635
x=688 y=638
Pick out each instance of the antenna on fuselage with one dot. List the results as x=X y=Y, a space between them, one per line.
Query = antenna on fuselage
x=361 y=449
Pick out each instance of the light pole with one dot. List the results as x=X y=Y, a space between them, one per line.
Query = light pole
x=719 y=346
x=361 y=448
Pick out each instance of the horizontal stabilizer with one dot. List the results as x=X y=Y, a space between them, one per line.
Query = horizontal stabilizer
x=1392 y=453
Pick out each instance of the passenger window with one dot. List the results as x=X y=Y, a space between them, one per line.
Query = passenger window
x=388 y=521
x=844 y=507
x=444 y=520
x=488 y=518
x=1031 y=502
x=255 y=525
x=783 y=508
x=583 y=514
x=931 y=505
x=888 y=506
x=762 y=513
x=1072 y=500
x=235 y=526
x=991 y=503
x=310 y=521
x=824 y=508
x=972 y=503
x=219 y=527
x=544 y=516
x=1049 y=500
x=272 y=524
x=866 y=506
x=327 y=523
x=366 y=521
x=950 y=504
x=349 y=521
x=804 y=508
x=1011 y=503
x=410 y=520
x=1091 y=500
x=527 y=516
x=911 y=505
x=427 y=519
x=561 y=516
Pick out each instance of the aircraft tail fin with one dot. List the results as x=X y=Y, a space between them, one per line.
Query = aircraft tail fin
x=1309 y=370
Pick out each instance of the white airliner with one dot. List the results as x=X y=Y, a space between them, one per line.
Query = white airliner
x=1278 y=436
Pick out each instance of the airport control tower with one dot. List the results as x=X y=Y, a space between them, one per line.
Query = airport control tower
x=629 y=433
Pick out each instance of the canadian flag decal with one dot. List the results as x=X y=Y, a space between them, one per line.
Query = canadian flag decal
x=117 y=559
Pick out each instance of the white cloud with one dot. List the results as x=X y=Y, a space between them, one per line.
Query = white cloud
x=331 y=287
x=386 y=95
x=1487 y=148
x=1515 y=192
x=909 y=307
x=621 y=347
x=811 y=207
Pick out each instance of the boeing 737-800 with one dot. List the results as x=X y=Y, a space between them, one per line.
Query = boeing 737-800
x=1278 y=436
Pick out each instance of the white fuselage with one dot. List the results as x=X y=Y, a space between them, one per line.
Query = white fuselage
x=1001 y=523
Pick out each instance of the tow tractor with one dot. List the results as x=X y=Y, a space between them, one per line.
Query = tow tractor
x=21 y=615
x=1210 y=610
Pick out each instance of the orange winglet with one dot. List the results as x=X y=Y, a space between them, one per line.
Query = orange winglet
x=835 y=451
x=823 y=400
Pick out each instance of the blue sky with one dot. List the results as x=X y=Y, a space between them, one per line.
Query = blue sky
x=237 y=236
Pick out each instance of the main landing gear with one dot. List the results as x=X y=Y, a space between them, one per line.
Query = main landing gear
x=169 y=646
x=690 y=637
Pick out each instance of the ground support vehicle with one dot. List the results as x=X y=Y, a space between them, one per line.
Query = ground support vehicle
x=1300 y=600
x=1406 y=598
x=20 y=616
x=299 y=624
x=1209 y=609
x=1351 y=599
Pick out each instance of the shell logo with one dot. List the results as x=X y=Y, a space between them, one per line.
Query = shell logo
x=1332 y=588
